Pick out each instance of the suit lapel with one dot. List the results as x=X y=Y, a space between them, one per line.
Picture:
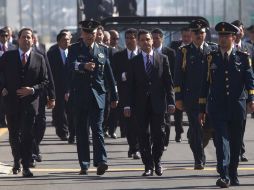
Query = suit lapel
x=158 y=64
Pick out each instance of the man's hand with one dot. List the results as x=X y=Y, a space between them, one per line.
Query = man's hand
x=24 y=91
x=114 y=104
x=127 y=112
x=4 y=92
x=171 y=109
x=51 y=104
x=66 y=97
x=201 y=119
x=179 y=104
x=90 y=66
x=250 y=107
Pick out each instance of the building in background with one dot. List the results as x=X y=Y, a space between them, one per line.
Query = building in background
x=50 y=16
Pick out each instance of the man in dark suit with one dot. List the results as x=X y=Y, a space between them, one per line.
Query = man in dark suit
x=37 y=44
x=88 y=70
x=240 y=45
x=57 y=55
x=227 y=74
x=178 y=115
x=25 y=75
x=150 y=93
x=187 y=78
x=170 y=53
x=4 y=46
x=120 y=66
x=47 y=97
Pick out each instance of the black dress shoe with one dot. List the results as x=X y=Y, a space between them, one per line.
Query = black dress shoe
x=234 y=181
x=243 y=158
x=83 y=172
x=32 y=164
x=178 y=138
x=71 y=140
x=27 y=173
x=16 y=169
x=222 y=183
x=38 y=158
x=158 y=170
x=102 y=168
x=198 y=167
x=136 y=155
x=148 y=173
x=129 y=154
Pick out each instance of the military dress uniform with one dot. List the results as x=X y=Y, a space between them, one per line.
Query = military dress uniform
x=89 y=99
x=225 y=80
x=188 y=76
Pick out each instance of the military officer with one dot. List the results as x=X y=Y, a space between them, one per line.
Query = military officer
x=88 y=69
x=187 y=78
x=227 y=74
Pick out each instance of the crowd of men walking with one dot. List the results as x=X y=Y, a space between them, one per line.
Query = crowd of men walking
x=93 y=86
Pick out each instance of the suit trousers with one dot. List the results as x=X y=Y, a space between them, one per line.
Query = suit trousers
x=150 y=135
x=85 y=117
x=20 y=126
x=178 y=116
x=228 y=142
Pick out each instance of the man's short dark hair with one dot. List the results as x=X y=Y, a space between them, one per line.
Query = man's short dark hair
x=157 y=31
x=143 y=31
x=62 y=33
x=24 y=29
x=131 y=31
x=185 y=29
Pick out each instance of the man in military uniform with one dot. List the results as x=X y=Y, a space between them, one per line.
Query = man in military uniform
x=88 y=69
x=227 y=74
x=187 y=78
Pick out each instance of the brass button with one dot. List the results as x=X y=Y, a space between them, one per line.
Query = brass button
x=226 y=72
x=227 y=86
x=227 y=93
x=227 y=79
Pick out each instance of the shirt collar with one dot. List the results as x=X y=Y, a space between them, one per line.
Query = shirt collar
x=228 y=52
x=158 y=49
x=135 y=51
x=27 y=53
x=145 y=54
x=201 y=47
x=238 y=44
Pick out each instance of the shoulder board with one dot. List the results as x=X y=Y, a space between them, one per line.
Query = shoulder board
x=211 y=43
x=242 y=53
x=104 y=45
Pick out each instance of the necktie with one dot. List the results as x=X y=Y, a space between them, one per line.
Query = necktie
x=64 y=57
x=4 y=48
x=225 y=58
x=90 y=50
x=148 y=66
x=237 y=46
x=131 y=55
x=23 y=60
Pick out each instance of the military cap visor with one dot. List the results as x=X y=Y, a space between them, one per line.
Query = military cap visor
x=224 y=28
x=89 y=26
x=3 y=32
x=198 y=25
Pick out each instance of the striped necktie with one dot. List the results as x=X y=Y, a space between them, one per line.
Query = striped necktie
x=148 y=67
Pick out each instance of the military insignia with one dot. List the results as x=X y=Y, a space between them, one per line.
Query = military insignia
x=238 y=63
x=101 y=55
x=214 y=66
x=250 y=62
x=90 y=24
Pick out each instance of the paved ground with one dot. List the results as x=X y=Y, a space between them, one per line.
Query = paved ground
x=59 y=169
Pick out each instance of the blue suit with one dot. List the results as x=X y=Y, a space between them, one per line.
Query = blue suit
x=88 y=93
x=223 y=96
x=188 y=77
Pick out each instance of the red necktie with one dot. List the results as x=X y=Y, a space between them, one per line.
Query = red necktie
x=23 y=60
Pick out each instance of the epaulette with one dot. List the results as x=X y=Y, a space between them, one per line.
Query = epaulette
x=103 y=45
x=211 y=43
x=246 y=54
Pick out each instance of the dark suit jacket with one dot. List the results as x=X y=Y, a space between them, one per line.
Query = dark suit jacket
x=175 y=45
x=49 y=92
x=170 y=53
x=140 y=88
x=120 y=65
x=58 y=69
x=35 y=77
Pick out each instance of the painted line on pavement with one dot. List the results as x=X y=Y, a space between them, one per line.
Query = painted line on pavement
x=123 y=169
x=3 y=131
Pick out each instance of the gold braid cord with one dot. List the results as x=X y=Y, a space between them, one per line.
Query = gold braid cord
x=184 y=51
x=209 y=60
